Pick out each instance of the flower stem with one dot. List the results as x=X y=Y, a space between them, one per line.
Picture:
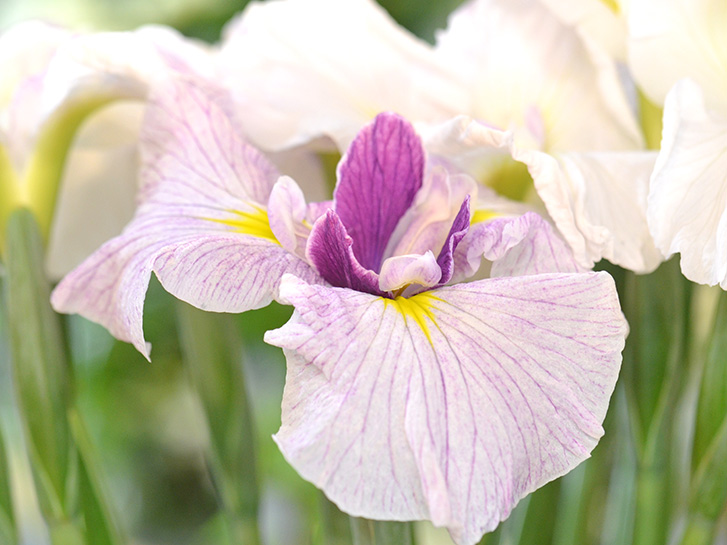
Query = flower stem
x=700 y=531
x=212 y=352
x=8 y=531
x=381 y=532
x=336 y=528
x=40 y=369
x=66 y=479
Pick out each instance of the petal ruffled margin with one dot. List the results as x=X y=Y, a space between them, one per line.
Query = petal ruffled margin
x=687 y=207
x=201 y=227
x=450 y=405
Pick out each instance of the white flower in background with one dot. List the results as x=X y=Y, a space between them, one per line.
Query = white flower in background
x=687 y=204
x=513 y=66
x=66 y=124
x=601 y=21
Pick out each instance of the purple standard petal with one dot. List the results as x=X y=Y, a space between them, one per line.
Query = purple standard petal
x=450 y=405
x=329 y=250
x=377 y=181
x=456 y=234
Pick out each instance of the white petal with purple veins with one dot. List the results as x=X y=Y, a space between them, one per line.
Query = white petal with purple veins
x=450 y=405
x=197 y=261
x=200 y=226
x=286 y=213
x=426 y=224
x=516 y=246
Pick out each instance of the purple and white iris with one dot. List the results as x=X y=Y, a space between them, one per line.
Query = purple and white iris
x=406 y=397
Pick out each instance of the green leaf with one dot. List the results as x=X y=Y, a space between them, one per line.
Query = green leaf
x=8 y=531
x=381 y=532
x=212 y=353
x=708 y=497
x=100 y=526
x=655 y=354
x=40 y=368
x=712 y=404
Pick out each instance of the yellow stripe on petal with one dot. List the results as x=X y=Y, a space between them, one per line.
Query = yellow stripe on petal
x=417 y=309
x=613 y=5
x=250 y=223
x=483 y=214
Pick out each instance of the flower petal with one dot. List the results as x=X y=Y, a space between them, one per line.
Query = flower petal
x=198 y=226
x=99 y=186
x=346 y=61
x=399 y=271
x=427 y=223
x=596 y=20
x=527 y=70
x=25 y=51
x=517 y=246
x=190 y=142
x=598 y=203
x=457 y=232
x=687 y=207
x=217 y=270
x=674 y=39
x=378 y=179
x=453 y=404
x=287 y=211
x=329 y=250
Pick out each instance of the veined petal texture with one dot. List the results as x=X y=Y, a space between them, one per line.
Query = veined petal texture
x=687 y=206
x=201 y=226
x=378 y=179
x=450 y=405
x=516 y=246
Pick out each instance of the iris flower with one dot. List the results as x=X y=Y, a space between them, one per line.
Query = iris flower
x=410 y=394
x=678 y=52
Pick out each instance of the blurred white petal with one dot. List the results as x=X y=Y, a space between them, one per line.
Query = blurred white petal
x=687 y=207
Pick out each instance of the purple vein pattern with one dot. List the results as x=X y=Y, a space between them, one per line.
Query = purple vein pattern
x=377 y=182
x=197 y=175
x=435 y=400
x=505 y=391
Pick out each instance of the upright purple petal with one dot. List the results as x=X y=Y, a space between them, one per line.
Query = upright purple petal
x=377 y=181
x=329 y=249
x=456 y=234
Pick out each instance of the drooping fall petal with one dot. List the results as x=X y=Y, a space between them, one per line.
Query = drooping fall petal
x=201 y=226
x=450 y=405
